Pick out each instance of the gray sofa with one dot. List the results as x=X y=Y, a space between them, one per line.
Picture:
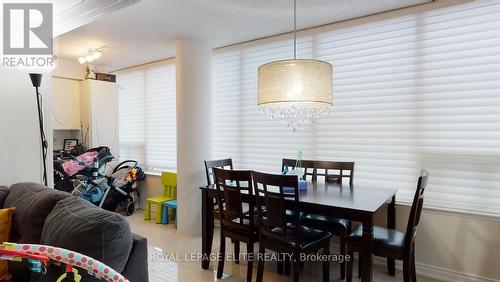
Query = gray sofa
x=50 y=217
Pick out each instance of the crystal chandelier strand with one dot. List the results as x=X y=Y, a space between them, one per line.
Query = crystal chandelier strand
x=295 y=115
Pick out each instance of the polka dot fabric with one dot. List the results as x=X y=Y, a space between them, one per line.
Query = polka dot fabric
x=92 y=266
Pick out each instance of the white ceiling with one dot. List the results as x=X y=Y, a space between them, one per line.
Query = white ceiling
x=146 y=31
x=71 y=14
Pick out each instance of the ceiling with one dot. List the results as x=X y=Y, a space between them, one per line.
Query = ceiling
x=146 y=31
x=71 y=14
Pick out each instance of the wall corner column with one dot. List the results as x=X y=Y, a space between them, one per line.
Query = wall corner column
x=193 y=86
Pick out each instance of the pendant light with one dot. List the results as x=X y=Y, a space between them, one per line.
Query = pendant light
x=295 y=91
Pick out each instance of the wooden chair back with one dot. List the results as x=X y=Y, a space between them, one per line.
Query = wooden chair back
x=334 y=172
x=271 y=206
x=231 y=185
x=306 y=165
x=169 y=183
x=323 y=168
x=416 y=209
x=223 y=163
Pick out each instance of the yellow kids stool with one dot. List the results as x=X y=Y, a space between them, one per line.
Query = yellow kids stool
x=169 y=183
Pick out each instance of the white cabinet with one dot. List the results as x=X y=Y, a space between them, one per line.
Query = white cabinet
x=66 y=104
x=99 y=113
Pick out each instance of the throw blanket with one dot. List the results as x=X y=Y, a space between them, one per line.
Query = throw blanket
x=74 y=166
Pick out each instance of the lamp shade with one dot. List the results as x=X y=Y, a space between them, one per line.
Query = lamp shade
x=36 y=79
x=295 y=91
x=288 y=81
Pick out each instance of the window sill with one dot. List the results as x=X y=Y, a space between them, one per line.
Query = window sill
x=158 y=173
x=152 y=173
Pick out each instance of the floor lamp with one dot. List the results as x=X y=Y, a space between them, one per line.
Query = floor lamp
x=36 y=80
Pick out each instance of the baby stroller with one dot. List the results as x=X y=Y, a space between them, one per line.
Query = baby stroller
x=84 y=175
x=123 y=183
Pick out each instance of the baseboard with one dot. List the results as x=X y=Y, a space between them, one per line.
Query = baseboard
x=439 y=273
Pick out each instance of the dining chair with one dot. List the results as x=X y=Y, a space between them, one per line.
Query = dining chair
x=325 y=168
x=169 y=185
x=235 y=224
x=277 y=232
x=224 y=164
x=332 y=172
x=308 y=170
x=391 y=243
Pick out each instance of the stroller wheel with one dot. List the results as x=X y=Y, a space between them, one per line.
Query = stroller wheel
x=130 y=208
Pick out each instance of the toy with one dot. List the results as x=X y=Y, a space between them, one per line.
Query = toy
x=40 y=256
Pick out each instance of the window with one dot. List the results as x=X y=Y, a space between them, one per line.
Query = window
x=147 y=115
x=414 y=90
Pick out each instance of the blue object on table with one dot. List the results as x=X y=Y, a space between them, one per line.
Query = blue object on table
x=302 y=187
x=169 y=205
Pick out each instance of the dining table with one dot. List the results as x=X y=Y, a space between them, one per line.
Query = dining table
x=354 y=202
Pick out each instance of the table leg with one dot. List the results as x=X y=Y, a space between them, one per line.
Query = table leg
x=207 y=227
x=391 y=224
x=367 y=260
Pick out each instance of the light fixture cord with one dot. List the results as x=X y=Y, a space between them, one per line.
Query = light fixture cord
x=294 y=29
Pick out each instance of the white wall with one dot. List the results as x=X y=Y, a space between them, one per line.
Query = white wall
x=150 y=187
x=20 y=151
x=462 y=243
x=70 y=69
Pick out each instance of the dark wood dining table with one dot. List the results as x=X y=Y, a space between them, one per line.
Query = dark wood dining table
x=357 y=203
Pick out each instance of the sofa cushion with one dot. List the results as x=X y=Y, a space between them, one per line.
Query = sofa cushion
x=33 y=203
x=77 y=225
x=137 y=265
x=3 y=194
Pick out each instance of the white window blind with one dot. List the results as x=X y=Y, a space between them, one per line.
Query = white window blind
x=147 y=115
x=420 y=90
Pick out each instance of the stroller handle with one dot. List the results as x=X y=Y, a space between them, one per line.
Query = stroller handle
x=120 y=165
